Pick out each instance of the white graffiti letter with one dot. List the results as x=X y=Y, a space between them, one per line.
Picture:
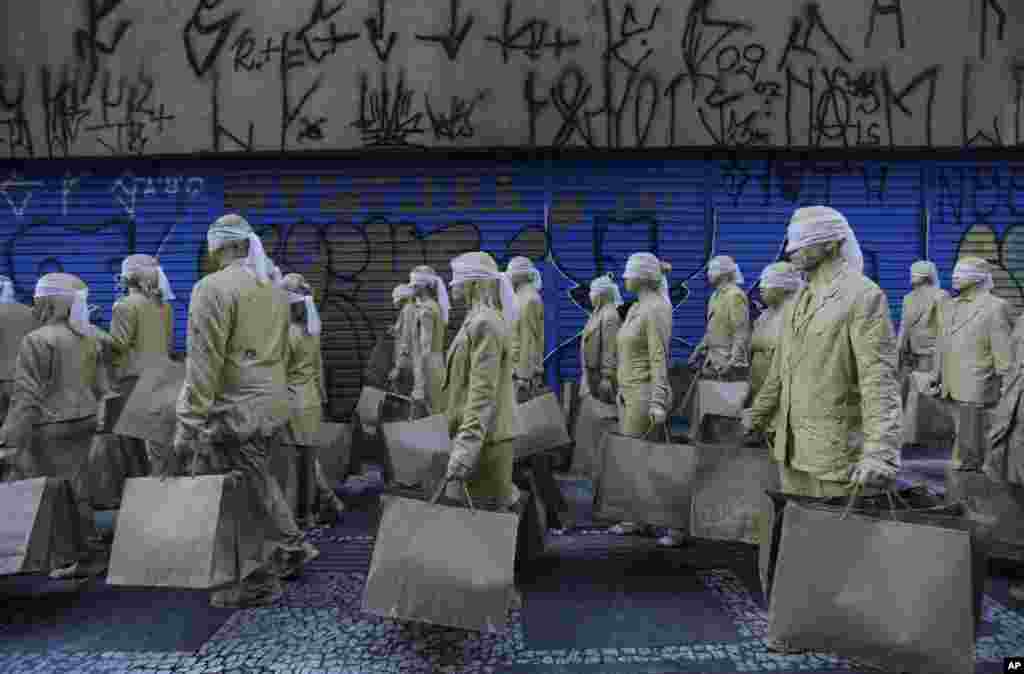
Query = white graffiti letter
x=195 y=186
x=68 y=185
x=125 y=194
x=18 y=192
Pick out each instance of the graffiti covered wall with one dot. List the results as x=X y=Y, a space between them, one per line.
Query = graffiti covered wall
x=355 y=228
x=141 y=77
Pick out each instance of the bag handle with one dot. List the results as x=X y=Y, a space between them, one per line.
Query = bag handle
x=407 y=399
x=600 y=347
x=444 y=484
x=195 y=460
x=663 y=426
x=858 y=489
x=238 y=553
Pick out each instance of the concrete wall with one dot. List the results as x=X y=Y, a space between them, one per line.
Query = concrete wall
x=125 y=77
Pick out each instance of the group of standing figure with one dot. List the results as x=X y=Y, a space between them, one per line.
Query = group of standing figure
x=822 y=359
x=253 y=386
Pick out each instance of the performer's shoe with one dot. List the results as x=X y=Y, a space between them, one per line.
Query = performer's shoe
x=781 y=647
x=94 y=563
x=83 y=569
x=331 y=509
x=248 y=594
x=628 y=529
x=516 y=600
x=1017 y=591
x=673 y=539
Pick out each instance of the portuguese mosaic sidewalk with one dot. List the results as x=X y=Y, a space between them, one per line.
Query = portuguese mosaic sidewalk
x=595 y=604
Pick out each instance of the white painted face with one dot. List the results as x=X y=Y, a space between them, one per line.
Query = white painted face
x=809 y=257
x=773 y=297
x=961 y=283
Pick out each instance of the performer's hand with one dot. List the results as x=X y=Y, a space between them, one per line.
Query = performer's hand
x=393 y=375
x=183 y=446
x=658 y=415
x=522 y=391
x=747 y=420
x=17 y=435
x=605 y=392
x=869 y=471
x=753 y=439
x=735 y=367
x=233 y=478
x=456 y=471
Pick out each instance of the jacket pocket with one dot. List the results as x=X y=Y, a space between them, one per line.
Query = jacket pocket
x=822 y=442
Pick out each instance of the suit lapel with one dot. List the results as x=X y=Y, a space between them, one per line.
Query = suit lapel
x=958 y=325
x=826 y=296
x=711 y=304
x=459 y=338
x=929 y=302
x=798 y=334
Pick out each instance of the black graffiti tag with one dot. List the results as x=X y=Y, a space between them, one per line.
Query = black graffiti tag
x=88 y=45
x=531 y=37
x=196 y=27
x=19 y=134
x=451 y=41
x=328 y=42
x=568 y=95
x=376 y=31
x=385 y=116
x=458 y=121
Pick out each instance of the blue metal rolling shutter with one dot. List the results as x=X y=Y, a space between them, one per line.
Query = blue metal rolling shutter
x=603 y=211
x=882 y=201
x=85 y=220
x=750 y=221
x=755 y=199
x=976 y=211
x=355 y=229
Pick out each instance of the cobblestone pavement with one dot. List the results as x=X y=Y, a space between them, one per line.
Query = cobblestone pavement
x=317 y=626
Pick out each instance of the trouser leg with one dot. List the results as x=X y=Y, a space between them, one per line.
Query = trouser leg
x=970 y=423
x=634 y=421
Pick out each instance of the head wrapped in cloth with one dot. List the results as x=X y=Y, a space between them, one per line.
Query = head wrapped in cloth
x=300 y=292
x=973 y=270
x=723 y=264
x=7 y=291
x=71 y=291
x=479 y=266
x=148 y=273
x=647 y=267
x=821 y=224
x=233 y=227
x=402 y=292
x=425 y=277
x=605 y=285
x=782 y=275
x=924 y=270
x=523 y=266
